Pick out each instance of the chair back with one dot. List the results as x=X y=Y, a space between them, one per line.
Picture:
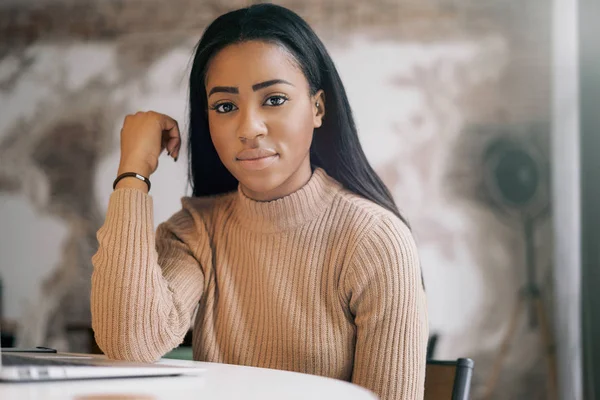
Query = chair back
x=448 y=380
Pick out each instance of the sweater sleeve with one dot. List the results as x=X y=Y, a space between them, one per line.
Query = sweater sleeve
x=145 y=286
x=385 y=295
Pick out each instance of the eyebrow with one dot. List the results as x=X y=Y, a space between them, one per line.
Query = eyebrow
x=258 y=86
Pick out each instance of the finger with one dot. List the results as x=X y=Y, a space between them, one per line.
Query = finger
x=176 y=143
x=169 y=142
x=164 y=143
x=171 y=134
x=173 y=146
x=175 y=154
x=170 y=125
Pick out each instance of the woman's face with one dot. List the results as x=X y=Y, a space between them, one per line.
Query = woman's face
x=261 y=118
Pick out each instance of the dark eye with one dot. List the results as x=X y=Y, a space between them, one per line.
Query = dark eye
x=223 y=108
x=275 y=101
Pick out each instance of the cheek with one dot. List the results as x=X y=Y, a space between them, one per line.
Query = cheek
x=296 y=134
x=220 y=142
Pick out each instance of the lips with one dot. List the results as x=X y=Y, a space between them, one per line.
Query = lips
x=255 y=154
x=253 y=160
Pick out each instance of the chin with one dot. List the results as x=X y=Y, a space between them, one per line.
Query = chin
x=261 y=182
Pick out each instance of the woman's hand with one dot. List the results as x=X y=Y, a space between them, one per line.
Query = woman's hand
x=144 y=136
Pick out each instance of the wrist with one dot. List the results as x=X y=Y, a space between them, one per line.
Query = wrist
x=132 y=183
x=138 y=168
x=132 y=175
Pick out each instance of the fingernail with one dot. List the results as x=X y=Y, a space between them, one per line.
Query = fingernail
x=176 y=158
x=168 y=153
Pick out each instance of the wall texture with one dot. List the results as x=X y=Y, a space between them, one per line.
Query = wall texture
x=431 y=83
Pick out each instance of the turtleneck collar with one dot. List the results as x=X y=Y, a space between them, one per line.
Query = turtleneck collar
x=290 y=211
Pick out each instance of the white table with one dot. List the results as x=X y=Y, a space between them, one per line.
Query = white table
x=220 y=381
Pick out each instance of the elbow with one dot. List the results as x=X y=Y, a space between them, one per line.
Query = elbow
x=127 y=348
x=126 y=330
x=123 y=340
x=127 y=340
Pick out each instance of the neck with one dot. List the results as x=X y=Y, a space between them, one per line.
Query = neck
x=287 y=212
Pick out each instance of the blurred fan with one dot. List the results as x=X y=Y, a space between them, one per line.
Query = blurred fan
x=516 y=180
x=515 y=177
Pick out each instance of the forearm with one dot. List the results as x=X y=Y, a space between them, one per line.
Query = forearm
x=135 y=313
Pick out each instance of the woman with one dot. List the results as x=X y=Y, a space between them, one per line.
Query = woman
x=291 y=249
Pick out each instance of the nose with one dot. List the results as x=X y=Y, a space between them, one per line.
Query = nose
x=251 y=125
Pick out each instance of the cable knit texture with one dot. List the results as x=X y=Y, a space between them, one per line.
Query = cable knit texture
x=321 y=281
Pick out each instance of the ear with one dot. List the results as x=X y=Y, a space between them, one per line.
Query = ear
x=318 y=105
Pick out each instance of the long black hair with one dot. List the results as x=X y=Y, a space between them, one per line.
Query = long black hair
x=335 y=146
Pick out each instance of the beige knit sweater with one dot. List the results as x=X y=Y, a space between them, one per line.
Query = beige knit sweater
x=321 y=281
